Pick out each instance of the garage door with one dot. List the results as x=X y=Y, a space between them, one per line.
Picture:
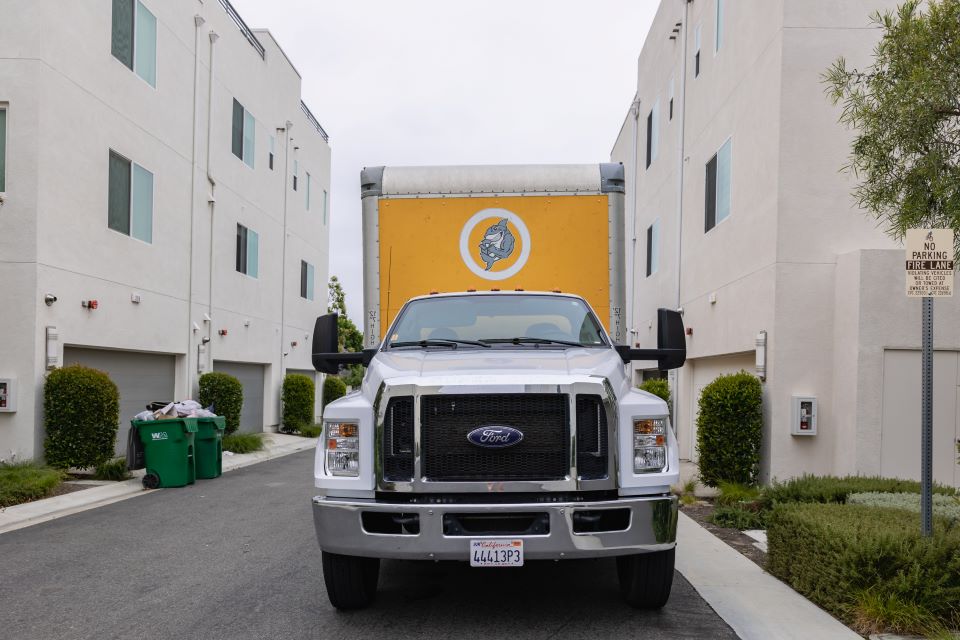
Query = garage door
x=900 y=444
x=251 y=377
x=140 y=378
x=313 y=375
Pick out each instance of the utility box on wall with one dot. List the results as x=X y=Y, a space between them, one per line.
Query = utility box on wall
x=803 y=416
x=8 y=395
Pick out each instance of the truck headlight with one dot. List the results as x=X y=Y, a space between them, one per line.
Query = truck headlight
x=649 y=445
x=343 y=450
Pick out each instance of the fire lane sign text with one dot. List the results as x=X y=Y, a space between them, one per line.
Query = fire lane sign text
x=930 y=263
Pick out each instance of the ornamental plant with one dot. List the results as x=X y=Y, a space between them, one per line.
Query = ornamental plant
x=81 y=416
x=298 y=400
x=729 y=430
x=333 y=388
x=225 y=393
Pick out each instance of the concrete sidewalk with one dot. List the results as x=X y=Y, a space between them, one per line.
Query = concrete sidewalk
x=31 y=513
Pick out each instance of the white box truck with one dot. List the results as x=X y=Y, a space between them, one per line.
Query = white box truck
x=496 y=422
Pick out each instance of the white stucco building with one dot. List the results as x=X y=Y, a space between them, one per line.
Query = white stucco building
x=165 y=205
x=742 y=217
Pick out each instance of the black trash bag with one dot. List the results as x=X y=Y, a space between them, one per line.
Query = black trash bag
x=135 y=458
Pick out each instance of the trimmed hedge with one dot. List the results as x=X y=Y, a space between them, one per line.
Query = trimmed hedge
x=868 y=565
x=81 y=416
x=225 y=393
x=333 y=388
x=826 y=489
x=298 y=399
x=729 y=430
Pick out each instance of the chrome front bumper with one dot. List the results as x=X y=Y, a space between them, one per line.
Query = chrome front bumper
x=652 y=527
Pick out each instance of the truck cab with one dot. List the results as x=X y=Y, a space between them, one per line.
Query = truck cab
x=496 y=427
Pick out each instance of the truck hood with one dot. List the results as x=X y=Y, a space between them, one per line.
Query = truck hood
x=428 y=364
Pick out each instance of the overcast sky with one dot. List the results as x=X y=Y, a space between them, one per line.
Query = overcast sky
x=414 y=82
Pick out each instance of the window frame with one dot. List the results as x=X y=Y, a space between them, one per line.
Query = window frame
x=131 y=166
x=653 y=247
x=718 y=27
x=711 y=220
x=307 y=190
x=246 y=235
x=134 y=27
x=697 y=41
x=308 y=280
x=270 y=154
x=296 y=170
x=324 y=207
x=4 y=119
x=240 y=135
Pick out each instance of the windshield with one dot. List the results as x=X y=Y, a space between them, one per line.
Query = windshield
x=485 y=320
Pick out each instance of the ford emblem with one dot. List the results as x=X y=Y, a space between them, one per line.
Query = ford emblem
x=495 y=437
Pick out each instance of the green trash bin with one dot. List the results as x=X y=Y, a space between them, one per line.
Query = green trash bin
x=168 y=448
x=209 y=446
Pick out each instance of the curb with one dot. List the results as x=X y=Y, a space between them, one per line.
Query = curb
x=756 y=605
x=31 y=513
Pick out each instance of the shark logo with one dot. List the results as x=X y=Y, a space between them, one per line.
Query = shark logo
x=497 y=243
x=506 y=240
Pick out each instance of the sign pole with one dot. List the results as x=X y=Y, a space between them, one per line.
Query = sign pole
x=926 y=422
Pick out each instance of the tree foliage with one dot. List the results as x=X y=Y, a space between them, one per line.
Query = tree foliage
x=349 y=337
x=905 y=108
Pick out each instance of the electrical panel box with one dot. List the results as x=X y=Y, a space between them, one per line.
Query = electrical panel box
x=8 y=395
x=803 y=416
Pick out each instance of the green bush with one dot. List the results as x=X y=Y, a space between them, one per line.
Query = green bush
x=658 y=387
x=26 y=481
x=868 y=565
x=243 y=442
x=311 y=430
x=81 y=416
x=739 y=517
x=333 y=388
x=115 y=469
x=945 y=506
x=225 y=393
x=833 y=489
x=298 y=400
x=729 y=429
x=733 y=493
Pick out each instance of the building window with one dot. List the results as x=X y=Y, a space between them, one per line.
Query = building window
x=653 y=132
x=248 y=251
x=3 y=150
x=134 y=38
x=273 y=144
x=717 y=205
x=296 y=170
x=324 y=207
x=307 y=174
x=130 y=198
x=653 y=247
x=696 y=54
x=718 y=30
x=670 y=103
x=306 y=280
x=244 y=128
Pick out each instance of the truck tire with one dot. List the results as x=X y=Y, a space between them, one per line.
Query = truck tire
x=646 y=578
x=351 y=580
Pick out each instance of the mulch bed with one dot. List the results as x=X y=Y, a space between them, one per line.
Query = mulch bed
x=701 y=512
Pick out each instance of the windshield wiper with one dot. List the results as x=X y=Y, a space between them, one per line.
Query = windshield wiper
x=528 y=340
x=439 y=342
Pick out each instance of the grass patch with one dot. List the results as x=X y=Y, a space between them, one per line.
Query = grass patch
x=243 y=442
x=739 y=517
x=115 y=469
x=688 y=499
x=733 y=493
x=868 y=565
x=311 y=430
x=25 y=481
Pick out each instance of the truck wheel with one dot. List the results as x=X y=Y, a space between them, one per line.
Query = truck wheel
x=646 y=578
x=351 y=581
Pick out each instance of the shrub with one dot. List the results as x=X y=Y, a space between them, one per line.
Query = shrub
x=739 y=517
x=243 y=442
x=658 y=387
x=868 y=565
x=81 y=416
x=333 y=388
x=26 y=481
x=732 y=493
x=298 y=400
x=833 y=489
x=729 y=429
x=945 y=506
x=115 y=469
x=225 y=393
x=311 y=431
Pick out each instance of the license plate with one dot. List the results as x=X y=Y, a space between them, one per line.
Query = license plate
x=496 y=553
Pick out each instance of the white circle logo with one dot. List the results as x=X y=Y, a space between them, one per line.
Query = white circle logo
x=498 y=243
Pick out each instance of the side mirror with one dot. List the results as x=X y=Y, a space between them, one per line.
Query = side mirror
x=326 y=344
x=671 y=351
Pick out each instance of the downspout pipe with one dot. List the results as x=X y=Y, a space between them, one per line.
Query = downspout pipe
x=632 y=280
x=283 y=263
x=197 y=23
x=211 y=199
x=682 y=163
